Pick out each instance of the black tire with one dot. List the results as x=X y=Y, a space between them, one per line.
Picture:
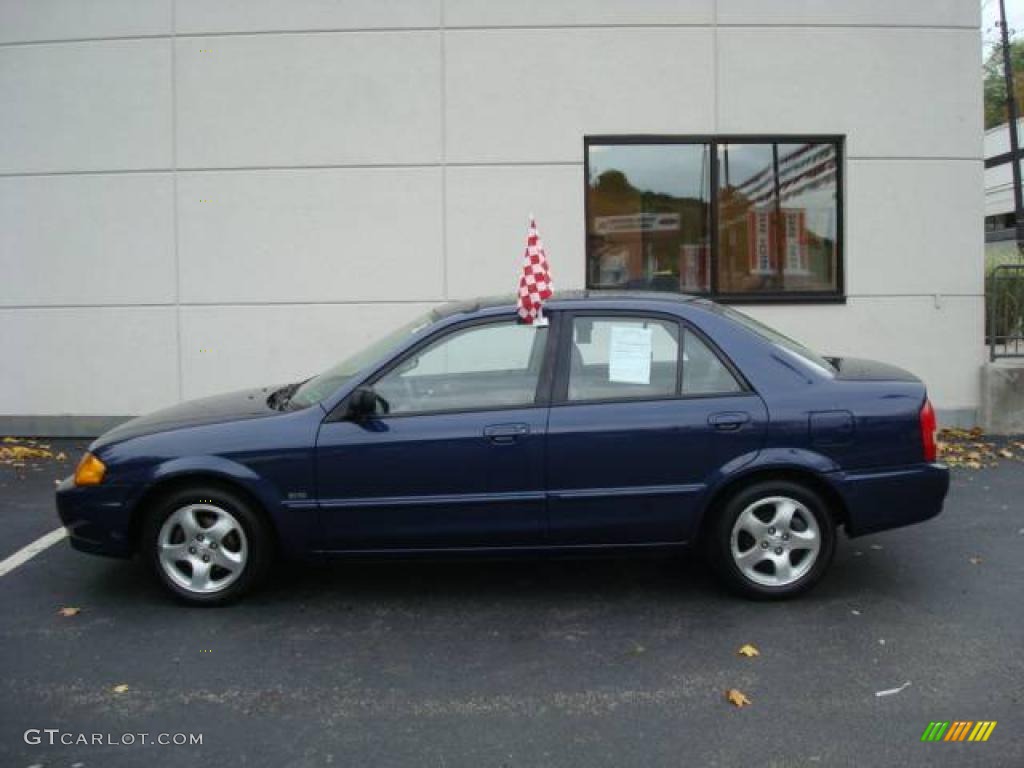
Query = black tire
x=256 y=543
x=719 y=542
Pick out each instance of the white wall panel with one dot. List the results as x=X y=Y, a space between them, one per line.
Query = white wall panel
x=893 y=92
x=317 y=99
x=276 y=15
x=26 y=20
x=940 y=344
x=539 y=13
x=85 y=106
x=225 y=348
x=914 y=226
x=87 y=239
x=924 y=13
x=488 y=214
x=532 y=95
x=95 y=361
x=311 y=235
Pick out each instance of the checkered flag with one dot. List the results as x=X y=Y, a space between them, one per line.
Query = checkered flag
x=535 y=283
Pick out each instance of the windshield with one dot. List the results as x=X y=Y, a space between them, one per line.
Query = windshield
x=776 y=338
x=319 y=387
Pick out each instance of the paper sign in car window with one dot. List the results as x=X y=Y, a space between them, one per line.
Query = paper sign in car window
x=629 y=355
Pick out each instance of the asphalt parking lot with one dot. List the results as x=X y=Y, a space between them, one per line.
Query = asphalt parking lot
x=568 y=663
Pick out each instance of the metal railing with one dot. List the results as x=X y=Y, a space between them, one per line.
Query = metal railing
x=1004 y=299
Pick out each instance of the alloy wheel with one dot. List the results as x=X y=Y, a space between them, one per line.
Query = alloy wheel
x=202 y=548
x=775 y=541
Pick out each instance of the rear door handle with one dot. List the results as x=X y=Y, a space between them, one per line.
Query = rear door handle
x=502 y=434
x=728 y=420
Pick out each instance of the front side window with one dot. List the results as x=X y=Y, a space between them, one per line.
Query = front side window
x=615 y=358
x=732 y=219
x=496 y=365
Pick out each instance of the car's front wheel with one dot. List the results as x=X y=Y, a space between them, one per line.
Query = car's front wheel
x=206 y=545
x=773 y=539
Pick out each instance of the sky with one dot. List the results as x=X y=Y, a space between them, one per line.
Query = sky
x=989 y=16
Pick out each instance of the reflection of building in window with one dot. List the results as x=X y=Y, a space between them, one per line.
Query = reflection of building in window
x=648 y=211
x=776 y=218
x=693 y=269
x=764 y=246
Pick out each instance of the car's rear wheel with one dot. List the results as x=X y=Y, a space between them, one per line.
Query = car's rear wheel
x=773 y=539
x=206 y=545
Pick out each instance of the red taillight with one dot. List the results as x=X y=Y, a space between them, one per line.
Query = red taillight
x=928 y=427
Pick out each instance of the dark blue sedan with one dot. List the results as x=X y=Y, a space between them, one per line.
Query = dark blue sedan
x=630 y=422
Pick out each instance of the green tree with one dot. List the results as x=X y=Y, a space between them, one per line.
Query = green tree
x=995 y=83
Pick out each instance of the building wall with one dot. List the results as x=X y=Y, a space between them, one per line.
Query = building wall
x=206 y=194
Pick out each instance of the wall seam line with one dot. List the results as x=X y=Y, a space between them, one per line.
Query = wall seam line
x=444 y=153
x=256 y=303
x=487 y=28
x=420 y=166
x=174 y=207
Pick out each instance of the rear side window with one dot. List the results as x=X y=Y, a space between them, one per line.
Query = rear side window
x=615 y=358
x=703 y=372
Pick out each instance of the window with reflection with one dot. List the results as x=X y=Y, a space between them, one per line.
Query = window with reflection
x=727 y=218
x=649 y=217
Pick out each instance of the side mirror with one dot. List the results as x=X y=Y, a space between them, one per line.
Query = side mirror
x=362 y=402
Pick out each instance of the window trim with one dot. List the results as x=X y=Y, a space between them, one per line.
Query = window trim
x=838 y=296
x=542 y=391
x=560 y=378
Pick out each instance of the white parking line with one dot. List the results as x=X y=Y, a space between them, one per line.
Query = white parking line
x=26 y=553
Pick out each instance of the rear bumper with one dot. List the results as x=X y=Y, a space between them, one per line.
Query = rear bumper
x=877 y=500
x=97 y=518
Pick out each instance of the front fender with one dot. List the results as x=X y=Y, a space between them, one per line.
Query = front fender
x=293 y=537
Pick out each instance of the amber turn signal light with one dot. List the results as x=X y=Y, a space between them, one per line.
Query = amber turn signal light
x=89 y=471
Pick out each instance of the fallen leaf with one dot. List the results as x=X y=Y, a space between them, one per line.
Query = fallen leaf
x=69 y=611
x=891 y=691
x=61 y=456
x=855 y=612
x=877 y=546
x=748 y=650
x=974 y=560
x=122 y=688
x=1006 y=454
x=737 y=697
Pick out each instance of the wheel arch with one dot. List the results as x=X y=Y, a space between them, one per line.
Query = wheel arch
x=792 y=473
x=169 y=484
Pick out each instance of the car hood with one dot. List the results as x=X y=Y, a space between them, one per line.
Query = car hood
x=233 y=406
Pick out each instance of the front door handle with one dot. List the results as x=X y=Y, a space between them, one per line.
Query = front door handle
x=728 y=420
x=503 y=434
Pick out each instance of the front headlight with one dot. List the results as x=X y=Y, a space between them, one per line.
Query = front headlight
x=89 y=471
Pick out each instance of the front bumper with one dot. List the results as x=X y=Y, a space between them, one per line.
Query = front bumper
x=98 y=518
x=880 y=499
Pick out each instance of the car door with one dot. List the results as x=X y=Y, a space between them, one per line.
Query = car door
x=645 y=412
x=457 y=459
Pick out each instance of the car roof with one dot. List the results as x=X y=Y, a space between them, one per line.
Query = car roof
x=569 y=298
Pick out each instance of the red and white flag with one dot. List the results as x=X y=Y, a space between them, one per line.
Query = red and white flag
x=535 y=283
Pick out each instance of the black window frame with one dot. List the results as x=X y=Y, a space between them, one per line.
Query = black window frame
x=838 y=296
